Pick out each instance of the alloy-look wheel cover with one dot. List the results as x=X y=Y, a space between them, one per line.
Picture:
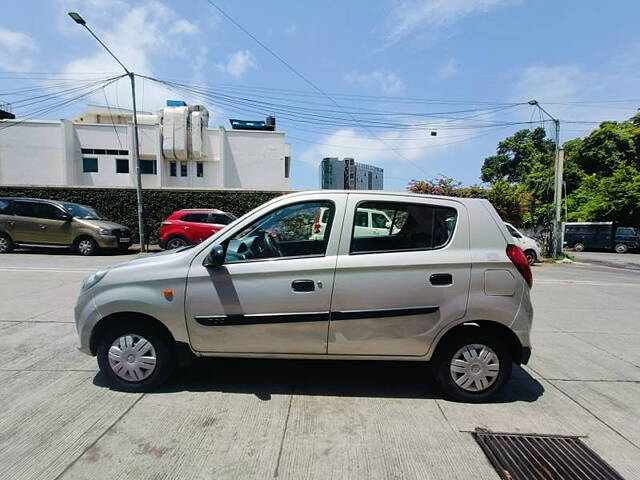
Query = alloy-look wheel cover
x=132 y=357
x=85 y=246
x=176 y=243
x=475 y=367
x=4 y=244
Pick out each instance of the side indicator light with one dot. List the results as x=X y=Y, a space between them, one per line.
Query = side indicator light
x=168 y=294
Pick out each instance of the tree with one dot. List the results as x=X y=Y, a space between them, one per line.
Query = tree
x=517 y=155
x=509 y=200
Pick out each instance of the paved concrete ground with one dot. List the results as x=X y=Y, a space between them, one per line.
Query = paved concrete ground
x=292 y=420
x=629 y=260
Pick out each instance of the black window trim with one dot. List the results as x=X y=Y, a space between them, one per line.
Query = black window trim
x=36 y=202
x=294 y=257
x=370 y=252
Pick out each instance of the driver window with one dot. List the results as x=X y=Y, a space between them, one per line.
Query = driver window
x=291 y=231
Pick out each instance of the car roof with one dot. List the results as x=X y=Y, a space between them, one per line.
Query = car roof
x=384 y=193
x=199 y=210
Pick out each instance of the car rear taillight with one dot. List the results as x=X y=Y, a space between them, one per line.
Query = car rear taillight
x=316 y=225
x=519 y=260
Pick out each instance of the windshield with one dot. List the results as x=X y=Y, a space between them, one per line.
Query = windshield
x=80 y=211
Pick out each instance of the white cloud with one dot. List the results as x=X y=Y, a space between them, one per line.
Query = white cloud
x=238 y=63
x=448 y=70
x=183 y=26
x=15 y=50
x=138 y=34
x=407 y=16
x=386 y=82
x=563 y=89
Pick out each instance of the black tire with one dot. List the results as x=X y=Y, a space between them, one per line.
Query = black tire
x=531 y=256
x=621 y=248
x=445 y=354
x=164 y=353
x=176 y=242
x=6 y=244
x=87 y=247
x=578 y=247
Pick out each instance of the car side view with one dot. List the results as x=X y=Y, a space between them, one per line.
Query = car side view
x=190 y=226
x=445 y=283
x=31 y=222
x=528 y=245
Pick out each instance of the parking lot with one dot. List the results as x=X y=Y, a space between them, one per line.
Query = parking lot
x=307 y=419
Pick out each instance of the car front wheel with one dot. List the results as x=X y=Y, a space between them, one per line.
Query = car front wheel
x=531 y=256
x=135 y=358
x=578 y=247
x=473 y=368
x=87 y=247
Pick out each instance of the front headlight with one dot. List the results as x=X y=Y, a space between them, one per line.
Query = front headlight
x=105 y=231
x=93 y=280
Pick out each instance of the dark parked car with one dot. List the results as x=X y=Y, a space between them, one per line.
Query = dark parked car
x=600 y=236
x=51 y=223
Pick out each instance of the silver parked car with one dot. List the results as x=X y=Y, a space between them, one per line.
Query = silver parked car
x=446 y=284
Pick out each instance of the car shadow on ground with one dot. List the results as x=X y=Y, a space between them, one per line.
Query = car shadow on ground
x=72 y=252
x=377 y=379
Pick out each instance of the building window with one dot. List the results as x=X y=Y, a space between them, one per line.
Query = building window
x=183 y=169
x=100 y=151
x=287 y=166
x=148 y=167
x=199 y=169
x=173 y=171
x=90 y=165
x=122 y=165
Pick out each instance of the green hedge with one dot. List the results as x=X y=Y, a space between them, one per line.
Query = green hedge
x=119 y=204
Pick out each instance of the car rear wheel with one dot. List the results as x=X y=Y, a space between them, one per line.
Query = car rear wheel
x=135 y=357
x=6 y=245
x=621 y=248
x=578 y=247
x=87 y=247
x=531 y=256
x=176 y=242
x=473 y=367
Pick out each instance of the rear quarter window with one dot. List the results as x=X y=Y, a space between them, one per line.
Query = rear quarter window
x=5 y=207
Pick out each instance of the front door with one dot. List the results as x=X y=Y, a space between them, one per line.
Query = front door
x=392 y=291
x=273 y=292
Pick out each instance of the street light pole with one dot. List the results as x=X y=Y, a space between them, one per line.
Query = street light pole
x=141 y=226
x=556 y=240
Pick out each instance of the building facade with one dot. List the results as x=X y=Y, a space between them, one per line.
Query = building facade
x=347 y=174
x=177 y=149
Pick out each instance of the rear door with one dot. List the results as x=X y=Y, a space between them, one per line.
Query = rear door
x=197 y=226
x=25 y=226
x=392 y=290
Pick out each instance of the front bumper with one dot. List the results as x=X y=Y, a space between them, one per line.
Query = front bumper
x=86 y=317
x=112 y=241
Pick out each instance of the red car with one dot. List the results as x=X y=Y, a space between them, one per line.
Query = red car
x=190 y=226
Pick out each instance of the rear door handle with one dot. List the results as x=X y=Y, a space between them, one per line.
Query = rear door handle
x=303 y=285
x=441 y=279
x=43 y=227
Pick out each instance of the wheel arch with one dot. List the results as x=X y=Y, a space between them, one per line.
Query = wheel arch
x=183 y=351
x=498 y=329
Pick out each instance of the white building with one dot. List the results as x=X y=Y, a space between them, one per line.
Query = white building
x=347 y=174
x=177 y=149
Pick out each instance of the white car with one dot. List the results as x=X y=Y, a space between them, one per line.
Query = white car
x=528 y=245
x=368 y=223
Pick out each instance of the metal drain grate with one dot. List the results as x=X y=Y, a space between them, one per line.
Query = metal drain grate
x=545 y=457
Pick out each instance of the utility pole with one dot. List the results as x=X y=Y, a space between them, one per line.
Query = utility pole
x=141 y=227
x=556 y=239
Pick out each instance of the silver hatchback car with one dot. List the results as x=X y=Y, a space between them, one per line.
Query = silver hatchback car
x=444 y=284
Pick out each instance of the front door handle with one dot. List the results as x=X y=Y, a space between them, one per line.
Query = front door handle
x=43 y=227
x=441 y=279
x=11 y=223
x=303 y=285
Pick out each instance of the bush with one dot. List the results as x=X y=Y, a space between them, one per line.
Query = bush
x=120 y=206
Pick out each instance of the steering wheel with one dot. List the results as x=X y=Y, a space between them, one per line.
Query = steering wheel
x=271 y=244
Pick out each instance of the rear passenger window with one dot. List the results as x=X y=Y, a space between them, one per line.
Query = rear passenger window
x=25 y=209
x=195 y=217
x=5 y=207
x=407 y=226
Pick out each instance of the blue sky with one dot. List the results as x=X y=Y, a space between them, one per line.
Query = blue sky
x=462 y=54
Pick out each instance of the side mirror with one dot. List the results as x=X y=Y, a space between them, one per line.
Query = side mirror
x=215 y=257
x=387 y=224
x=516 y=235
x=65 y=216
